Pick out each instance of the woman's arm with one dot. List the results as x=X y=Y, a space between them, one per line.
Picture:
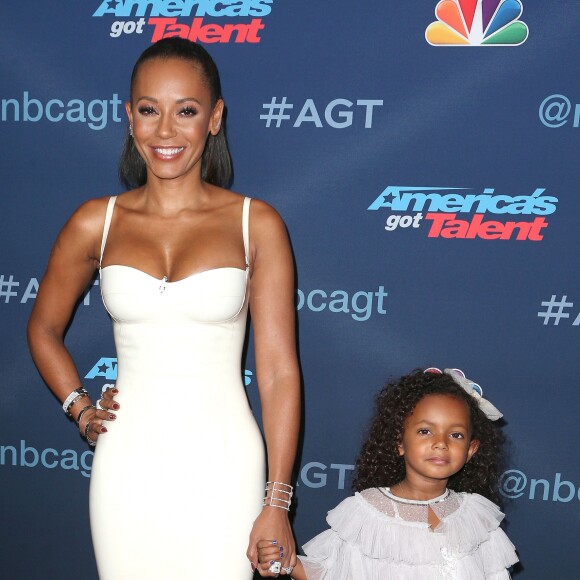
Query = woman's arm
x=71 y=266
x=273 y=319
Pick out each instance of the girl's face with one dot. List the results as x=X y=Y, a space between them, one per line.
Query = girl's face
x=172 y=114
x=437 y=439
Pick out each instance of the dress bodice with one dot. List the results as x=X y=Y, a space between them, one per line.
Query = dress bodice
x=375 y=535
x=212 y=296
x=198 y=322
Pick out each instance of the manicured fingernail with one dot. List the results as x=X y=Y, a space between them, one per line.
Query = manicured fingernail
x=112 y=417
x=115 y=391
x=272 y=562
x=116 y=406
x=281 y=548
x=281 y=554
x=103 y=430
x=274 y=542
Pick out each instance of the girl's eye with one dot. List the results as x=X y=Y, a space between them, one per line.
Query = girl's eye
x=423 y=431
x=457 y=435
x=146 y=110
x=188 y=112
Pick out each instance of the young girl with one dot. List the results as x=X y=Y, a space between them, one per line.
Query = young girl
x=423 y=483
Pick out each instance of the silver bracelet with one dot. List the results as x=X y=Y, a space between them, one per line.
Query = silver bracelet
x=72 y=398
x=89 y=441
x=282 y=501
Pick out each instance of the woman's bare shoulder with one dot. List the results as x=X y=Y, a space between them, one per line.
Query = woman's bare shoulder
x=264 y=217
x=90 y=211
x=85 y=225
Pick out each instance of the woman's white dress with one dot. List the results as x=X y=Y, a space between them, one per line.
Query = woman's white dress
x=179 y=478
x=375 y=537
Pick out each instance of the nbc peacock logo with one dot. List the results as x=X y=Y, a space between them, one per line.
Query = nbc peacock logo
x=477 y=23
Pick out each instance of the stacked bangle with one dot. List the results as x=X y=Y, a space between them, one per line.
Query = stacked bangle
x=80 y=415
x=278 y=495
x=73 y=397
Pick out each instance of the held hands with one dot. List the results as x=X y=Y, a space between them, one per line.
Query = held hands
x=268 y=555
x=91 y=421
x=281 y=555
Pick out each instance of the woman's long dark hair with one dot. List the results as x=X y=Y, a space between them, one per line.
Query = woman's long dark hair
x=216 y=162
x=379 y=463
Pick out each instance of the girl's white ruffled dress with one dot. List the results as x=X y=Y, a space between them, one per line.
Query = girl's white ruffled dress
x=375 y=535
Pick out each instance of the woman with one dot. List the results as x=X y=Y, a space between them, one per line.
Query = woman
x=178 y=476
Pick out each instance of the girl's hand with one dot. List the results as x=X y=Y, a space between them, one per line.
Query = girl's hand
x=272 y=525
x=95 y=418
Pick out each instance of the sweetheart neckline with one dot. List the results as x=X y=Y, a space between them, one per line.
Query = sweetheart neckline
x=174 y=281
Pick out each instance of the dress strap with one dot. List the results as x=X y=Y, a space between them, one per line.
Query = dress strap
x=246 y=229
x=108 y=218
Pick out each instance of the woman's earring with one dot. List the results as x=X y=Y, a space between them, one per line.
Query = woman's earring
x=131 y=130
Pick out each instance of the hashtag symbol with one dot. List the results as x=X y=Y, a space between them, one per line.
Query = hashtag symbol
x=6 y=288
x=276 y=111
x=551 y=311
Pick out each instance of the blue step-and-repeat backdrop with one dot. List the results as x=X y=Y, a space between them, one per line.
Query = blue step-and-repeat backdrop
x=425 y=158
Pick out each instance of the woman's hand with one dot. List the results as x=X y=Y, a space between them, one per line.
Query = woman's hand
x=272 y=525
x=107 y=400
x=268 y=553
x=91 y=424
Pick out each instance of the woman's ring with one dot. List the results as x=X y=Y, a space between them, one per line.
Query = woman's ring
x=275 y=568
x=288 y=570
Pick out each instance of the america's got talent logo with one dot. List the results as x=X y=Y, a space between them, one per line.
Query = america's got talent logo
x=203 y=19
x=477 y=23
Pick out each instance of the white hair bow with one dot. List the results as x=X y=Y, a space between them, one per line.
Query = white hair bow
x=472 y=388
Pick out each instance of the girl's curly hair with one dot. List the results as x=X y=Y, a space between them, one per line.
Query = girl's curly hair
x=379 y=463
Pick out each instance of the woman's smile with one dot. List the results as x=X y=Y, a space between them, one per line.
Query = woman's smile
x=168 y=153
